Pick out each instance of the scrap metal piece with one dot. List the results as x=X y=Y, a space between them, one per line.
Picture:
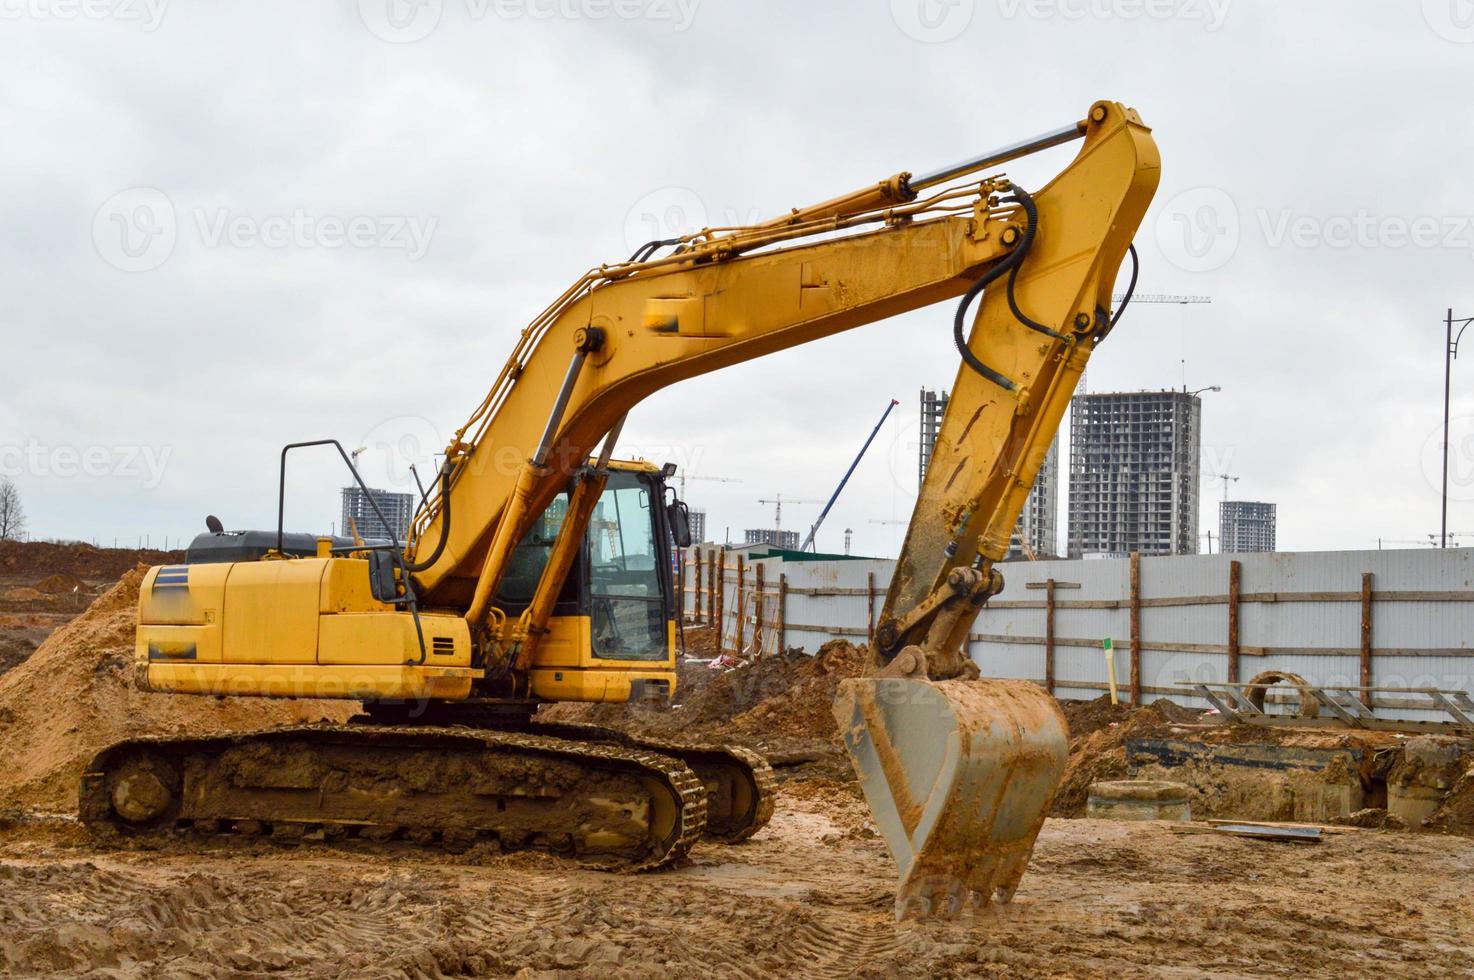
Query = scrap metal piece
x=1297 y=835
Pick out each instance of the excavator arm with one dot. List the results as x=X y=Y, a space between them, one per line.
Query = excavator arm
x=959 y=773
x=724 y=296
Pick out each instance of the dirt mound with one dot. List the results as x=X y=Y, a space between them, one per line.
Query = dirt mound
x=803 y=691
x=59 y=582
x=785 y=696
x=22 y=594
x=74 y=695
x=30 y=560
x=1455 y=815
x=1098 y=734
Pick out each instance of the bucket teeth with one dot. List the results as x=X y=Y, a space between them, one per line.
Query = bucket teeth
x=959 y=776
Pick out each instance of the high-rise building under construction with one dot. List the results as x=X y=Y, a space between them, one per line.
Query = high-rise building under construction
x=1245 y=526
x=1134 y=473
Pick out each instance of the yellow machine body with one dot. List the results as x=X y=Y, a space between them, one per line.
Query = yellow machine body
x=310 y=627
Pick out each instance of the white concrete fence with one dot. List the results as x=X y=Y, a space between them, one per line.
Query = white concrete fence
x=1363 y=619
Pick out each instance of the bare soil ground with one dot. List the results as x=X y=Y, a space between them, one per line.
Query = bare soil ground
x=808 y=896
x=44 y=586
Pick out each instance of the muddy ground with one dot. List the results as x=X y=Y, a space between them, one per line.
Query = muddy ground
x=808 y=896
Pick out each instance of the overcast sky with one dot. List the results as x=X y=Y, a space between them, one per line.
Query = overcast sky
x=227 y=226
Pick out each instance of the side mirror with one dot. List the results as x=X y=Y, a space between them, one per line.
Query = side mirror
x=679 y=517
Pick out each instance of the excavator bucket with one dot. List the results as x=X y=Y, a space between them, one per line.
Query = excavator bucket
x=959 y=775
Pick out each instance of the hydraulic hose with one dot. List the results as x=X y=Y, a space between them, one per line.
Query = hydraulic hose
x=1008 y=265
x=421 y=566
x=1130 y=287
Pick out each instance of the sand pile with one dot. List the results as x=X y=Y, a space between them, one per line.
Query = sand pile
x=74 y=695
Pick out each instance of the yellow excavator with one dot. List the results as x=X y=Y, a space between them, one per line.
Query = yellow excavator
x=538 y=569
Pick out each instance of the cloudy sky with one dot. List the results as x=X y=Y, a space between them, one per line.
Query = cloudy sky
x=227 y=226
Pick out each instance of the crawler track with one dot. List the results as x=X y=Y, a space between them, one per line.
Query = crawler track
x=740 y=786
x=607 y=805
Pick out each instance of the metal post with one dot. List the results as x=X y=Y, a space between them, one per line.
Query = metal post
x=757 y=628
x=1049 y=636
x=1135 y=628
x=740 y=626
x=782 y=613
x=870 y=608
x=1234 y=572
x=1448 y=360
x=1366 y=632
x=711 y=589
x=721 y=600
x=1450 y=354
x=696 y=596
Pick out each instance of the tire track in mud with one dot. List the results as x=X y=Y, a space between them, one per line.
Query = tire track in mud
x=76 y=916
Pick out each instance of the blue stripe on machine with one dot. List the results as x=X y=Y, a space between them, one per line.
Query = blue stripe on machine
x=172 y=577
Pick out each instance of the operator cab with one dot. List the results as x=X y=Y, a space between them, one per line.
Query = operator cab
x=617 y=609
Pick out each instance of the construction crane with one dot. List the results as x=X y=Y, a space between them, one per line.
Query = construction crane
x=778 y=500
x=1226 y=480
x=452 y=640
x=809 y=541
x=682 y=478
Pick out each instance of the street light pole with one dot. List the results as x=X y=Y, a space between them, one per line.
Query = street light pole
x=1450 y=352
